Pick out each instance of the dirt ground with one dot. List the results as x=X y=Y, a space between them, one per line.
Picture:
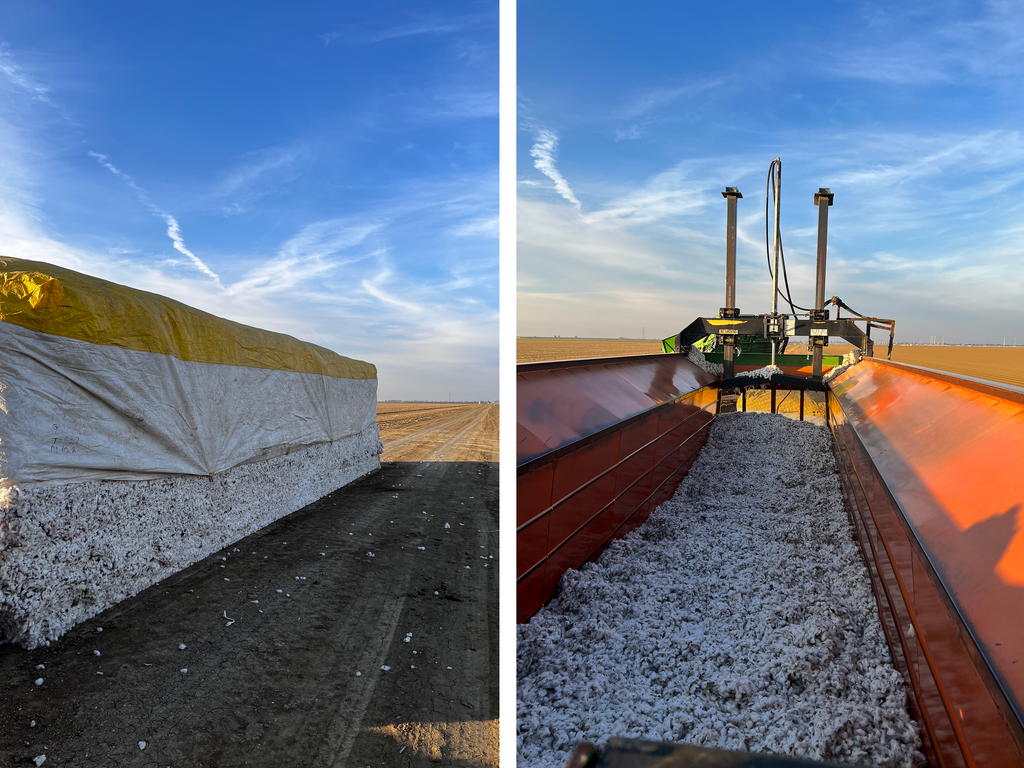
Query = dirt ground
x=438 y=432
x=1001 y=364
x=296 y=642
x=1004 y=364
x=539 y=350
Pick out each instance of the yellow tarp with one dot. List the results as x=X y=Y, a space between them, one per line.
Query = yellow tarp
x=58 y=301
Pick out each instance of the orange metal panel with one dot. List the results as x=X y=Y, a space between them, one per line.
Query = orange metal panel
x=792 y=370
x=929 y=463
x=871 y=515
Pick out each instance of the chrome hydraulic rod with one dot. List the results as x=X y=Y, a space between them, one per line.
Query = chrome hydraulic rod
x=822 y=199
x=777 y=162
x=731 y=194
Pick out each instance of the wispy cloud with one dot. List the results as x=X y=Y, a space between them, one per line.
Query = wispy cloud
x=428 y=25
x=305 y=257
x=173 y=228
x=15 y=75
x=260 y=174
x=422 y=27
x=333 y=283
x=669 y=194
x=915 y=215
x=652 y=107
x=934 y=43
x=464 y=102
x=383 y=255
x=543 y=153
x=326 y=238
x=479 y=227
x=174 y=232
x=898 y=158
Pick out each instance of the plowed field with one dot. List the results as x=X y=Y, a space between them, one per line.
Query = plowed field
x=438 y=432
x=1005 y=364
x=538 y=350
x=1002 y=364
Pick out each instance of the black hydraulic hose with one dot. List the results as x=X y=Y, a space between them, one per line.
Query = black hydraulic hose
x=836 y=301
x=788 y=295
x=785 y=279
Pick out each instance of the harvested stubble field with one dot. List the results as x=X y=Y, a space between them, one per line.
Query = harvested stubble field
x=1001 y=364
x=1004 y=364
x=438 y=432
x=540 y=350
x=359 y=630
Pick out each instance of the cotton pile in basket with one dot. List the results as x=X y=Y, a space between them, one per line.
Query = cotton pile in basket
x=740 y=615
x=139 y=435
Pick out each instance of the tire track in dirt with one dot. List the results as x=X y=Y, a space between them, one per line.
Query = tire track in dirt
x=456 y=440
x=423 y=434
x=450 y=438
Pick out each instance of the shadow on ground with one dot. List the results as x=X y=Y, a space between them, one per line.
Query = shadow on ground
x=295 y=644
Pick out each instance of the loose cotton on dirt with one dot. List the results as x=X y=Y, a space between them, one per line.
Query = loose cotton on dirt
x=739 y=616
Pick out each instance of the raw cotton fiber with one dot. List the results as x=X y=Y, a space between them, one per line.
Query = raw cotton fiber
x=765 y=372
x=850 y=359
x=69 y=551
x=696 y=357
x=739 y=616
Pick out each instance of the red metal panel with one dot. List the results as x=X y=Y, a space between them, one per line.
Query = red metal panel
x=601 y=488
x=571 y=554
x=662 y=379
x=601 y=384
x=530 y=595
x=671 y=419
x=597 y=449
x=527 y=443
x=559 y=403
x=533 y=492
x=588 y=495
x=555 y=413
x=927 y=462
x=636 y=440
x=630 y=491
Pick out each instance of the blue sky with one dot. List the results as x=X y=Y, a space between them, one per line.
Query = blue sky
x=327 y=170
x=631 y=124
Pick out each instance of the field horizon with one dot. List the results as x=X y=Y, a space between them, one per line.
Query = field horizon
x=1004 y=365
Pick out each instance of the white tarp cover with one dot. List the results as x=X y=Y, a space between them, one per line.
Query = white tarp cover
x=101 y=381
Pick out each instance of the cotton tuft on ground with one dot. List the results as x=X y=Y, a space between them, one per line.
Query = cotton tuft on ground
x=739 y=616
